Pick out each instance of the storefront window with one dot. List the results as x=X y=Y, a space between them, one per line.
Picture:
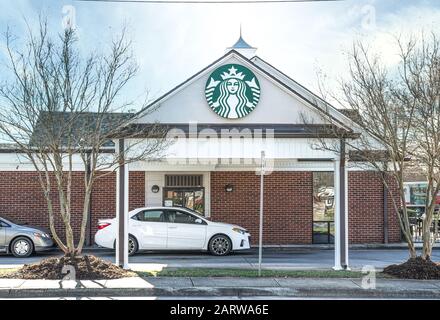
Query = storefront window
x=185 y=197
x=323 y=207
x=415 y=193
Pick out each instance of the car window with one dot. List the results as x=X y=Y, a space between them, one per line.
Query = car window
x=151 y=216
x=3 y=224
x=175 y=216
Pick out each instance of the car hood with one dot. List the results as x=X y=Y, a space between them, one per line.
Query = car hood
x=222 y=224
x=28 y=228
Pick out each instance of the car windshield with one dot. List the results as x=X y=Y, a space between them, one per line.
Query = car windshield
x=12 y=221
x=194 y=212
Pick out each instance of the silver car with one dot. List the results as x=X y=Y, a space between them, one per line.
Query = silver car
x=22 y=240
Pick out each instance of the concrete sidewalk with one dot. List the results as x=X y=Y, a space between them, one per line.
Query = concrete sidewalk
x=286 y=259
x=221 y=287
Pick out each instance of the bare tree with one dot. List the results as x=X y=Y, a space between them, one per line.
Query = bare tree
x=380 y=102
x=422 y=79
x=60 y=109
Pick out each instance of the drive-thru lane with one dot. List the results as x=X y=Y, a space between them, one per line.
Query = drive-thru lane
x=272 y=258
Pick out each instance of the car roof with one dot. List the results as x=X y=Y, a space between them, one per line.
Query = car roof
x=167 y=208
x=163 y=208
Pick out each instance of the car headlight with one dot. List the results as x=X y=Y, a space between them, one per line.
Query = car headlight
x=41 y=235
x=239 y=230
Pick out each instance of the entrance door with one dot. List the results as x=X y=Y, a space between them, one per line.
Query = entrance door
x=191 y=198
x=323 y=207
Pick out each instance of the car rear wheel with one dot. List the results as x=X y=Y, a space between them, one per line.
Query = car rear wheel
x=22 y=247
x=133 y=246
x=220 y=245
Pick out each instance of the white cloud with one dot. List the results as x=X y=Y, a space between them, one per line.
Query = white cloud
x=172 y=42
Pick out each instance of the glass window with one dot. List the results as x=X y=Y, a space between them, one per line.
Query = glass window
x=415 y=193
x=323 y=207
x=175 y=216
x=151 y=216
x=188 y=198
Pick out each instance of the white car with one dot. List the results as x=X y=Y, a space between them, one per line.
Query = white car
x=174 y=228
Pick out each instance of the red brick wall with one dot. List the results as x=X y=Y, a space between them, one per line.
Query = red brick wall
x=365 y=202
x=394 y=233
x=21 y=199
x=287 y=204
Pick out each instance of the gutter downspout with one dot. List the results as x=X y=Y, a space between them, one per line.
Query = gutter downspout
x=385 y=208
x=89 y=215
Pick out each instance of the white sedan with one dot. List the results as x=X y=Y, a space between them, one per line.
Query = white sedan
x=171 y=228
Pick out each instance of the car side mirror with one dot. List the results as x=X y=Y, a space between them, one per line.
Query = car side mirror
x=199 y=221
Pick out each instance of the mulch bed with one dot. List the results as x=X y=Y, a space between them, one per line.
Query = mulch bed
x=415 y=268
x=86 y=268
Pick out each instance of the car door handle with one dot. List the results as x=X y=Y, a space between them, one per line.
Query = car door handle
x=172 y=227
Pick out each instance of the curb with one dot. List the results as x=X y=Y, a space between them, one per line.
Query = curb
x=286 y=248
x=222 y=292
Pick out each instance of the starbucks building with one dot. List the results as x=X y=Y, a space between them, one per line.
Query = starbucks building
x=220 y=121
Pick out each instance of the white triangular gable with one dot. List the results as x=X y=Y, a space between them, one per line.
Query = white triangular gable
x=279 y=103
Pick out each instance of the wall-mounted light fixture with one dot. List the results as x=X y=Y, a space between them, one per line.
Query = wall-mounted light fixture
x=229 y=188
x=155 y=188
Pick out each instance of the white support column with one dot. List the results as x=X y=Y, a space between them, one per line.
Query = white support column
x=347 y=265
x=122 y=208
x=341 y=211
x=337 y=214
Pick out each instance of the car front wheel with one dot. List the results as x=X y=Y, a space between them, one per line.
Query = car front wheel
x=132 y=246
x=220 y=245
x=22 y=247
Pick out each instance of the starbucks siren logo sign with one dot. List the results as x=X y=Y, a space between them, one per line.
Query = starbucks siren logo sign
x=232 y=91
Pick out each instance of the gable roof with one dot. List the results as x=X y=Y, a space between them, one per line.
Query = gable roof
x=340 y=114
x=305 y=95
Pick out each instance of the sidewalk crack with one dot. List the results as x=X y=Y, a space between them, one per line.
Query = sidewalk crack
x=279 y=284
x=356 y=284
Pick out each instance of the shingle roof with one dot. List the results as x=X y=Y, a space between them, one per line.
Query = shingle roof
x=352 y=114
x=76 y=125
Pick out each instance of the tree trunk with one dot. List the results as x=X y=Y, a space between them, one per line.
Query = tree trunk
x=85 y=216
x=426 y=231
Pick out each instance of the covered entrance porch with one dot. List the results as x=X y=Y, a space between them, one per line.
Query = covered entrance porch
x=216 y=188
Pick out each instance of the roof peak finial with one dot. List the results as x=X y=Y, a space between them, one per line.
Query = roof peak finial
x=242 y=46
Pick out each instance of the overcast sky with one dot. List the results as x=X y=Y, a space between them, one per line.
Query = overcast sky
x=174 y=41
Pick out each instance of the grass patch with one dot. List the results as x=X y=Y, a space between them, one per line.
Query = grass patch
x=6 y=272
x=211 y=272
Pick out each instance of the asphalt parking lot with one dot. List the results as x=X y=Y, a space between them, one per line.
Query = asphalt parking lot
x=294 y=258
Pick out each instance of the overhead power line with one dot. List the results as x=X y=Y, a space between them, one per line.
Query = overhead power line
x=208 y=2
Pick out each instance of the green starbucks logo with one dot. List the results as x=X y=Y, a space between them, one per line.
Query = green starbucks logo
x=232 y=91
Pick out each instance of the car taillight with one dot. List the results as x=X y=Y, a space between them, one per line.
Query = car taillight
x=103 y=225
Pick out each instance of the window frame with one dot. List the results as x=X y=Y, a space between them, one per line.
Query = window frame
x=149 y=210
x=204 y=223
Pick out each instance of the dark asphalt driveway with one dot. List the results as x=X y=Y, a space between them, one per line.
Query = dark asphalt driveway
x=303 y=258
